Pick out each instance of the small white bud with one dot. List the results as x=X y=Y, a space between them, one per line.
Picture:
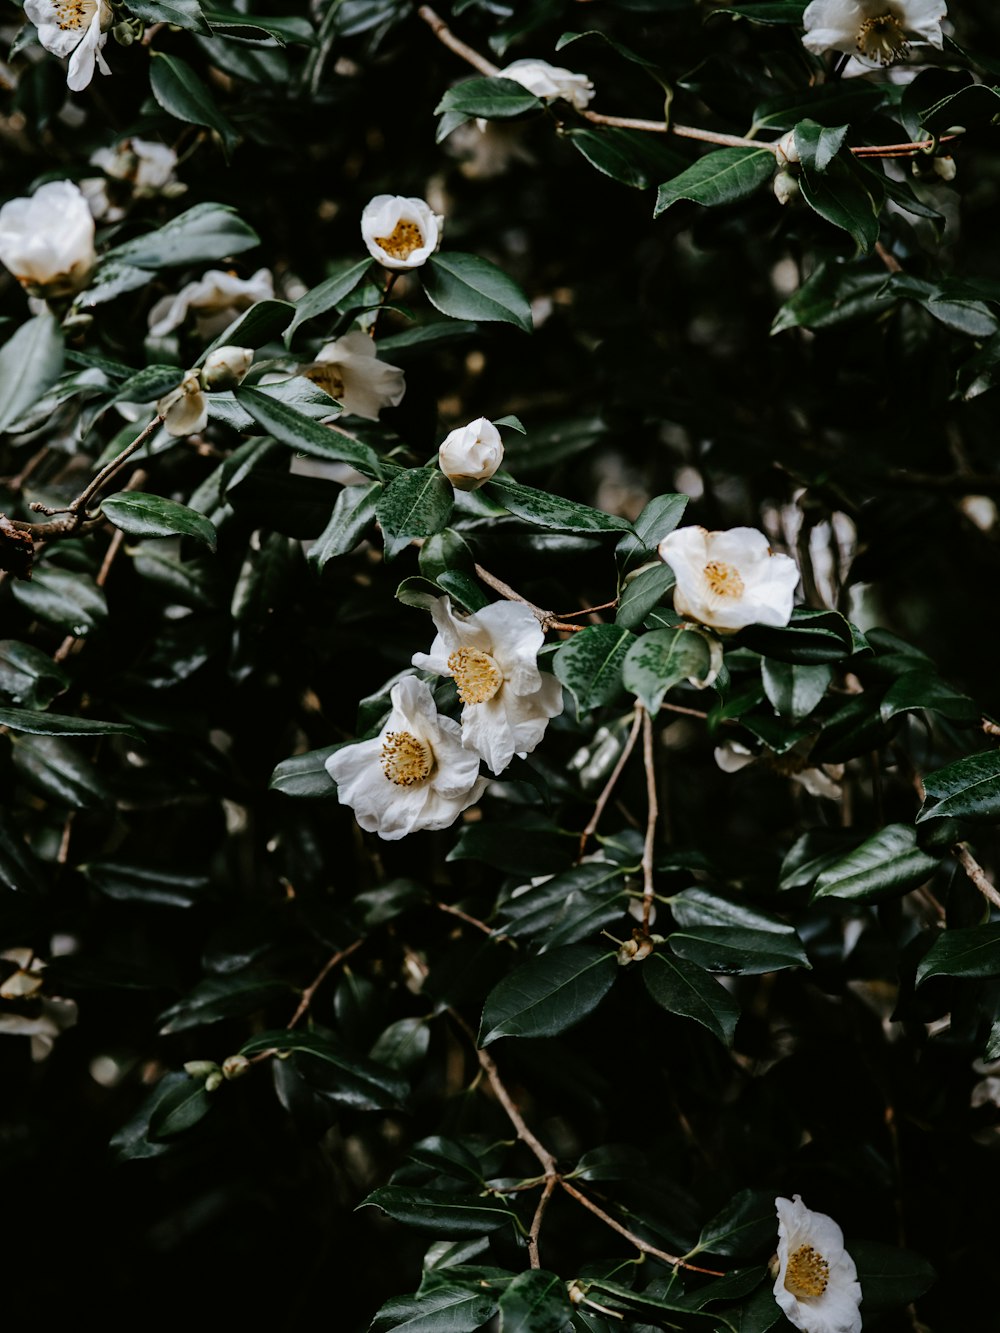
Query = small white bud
x=213 y=1081
x=786 y=187
x=470 y=455
x=225 y=368
x=785 y=150
x=235 y=1066
x=201 y=1068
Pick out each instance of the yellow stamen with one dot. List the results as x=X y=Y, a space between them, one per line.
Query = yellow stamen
x=406 y=759
x=326 y=376
x=406 y=237
x=883 y=39
x=808 y=1273
x=723 y=580
x=476 y=674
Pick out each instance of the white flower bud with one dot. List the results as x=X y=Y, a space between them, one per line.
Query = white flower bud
x=786 y=187
x=214 y=1081
x=47 y=241
x=235 y=1066
x=946 y=168
x=184 y=409
x=225 y=368
x=550 y=82
x=201 y=1068
x=470 y=455
x=785 y=150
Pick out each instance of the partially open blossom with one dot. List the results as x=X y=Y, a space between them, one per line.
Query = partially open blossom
x=32 y=1013
x=492 y=655
x=74 y=28
x=415 y=774
x=822 y=780
x=550 y=81
x=225 y=368
x=185 y=409
x=47 y=240
x=146 y=165
x=400 y=233
x=216 y=299
x=817 y=1284
x=730 y=579
x=877 y=31
x=349 y=370
x=470 y=455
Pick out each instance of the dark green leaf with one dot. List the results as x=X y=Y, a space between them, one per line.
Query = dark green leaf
x=661 y=659
x=551 y=511
x=738 y=950
x=641 y=593
x=440 y=1214
x=491 y=98
x=746 y=1223
x=468 y=287
x=142 y=515
x=843 y=196
x=146 y=884
x=305 y=774
x=890 y=1277
x=818 y=145
x=28 y=676
x=535 y=1302
x=828 y=104
x=334 y=1071
x=514 y=849
x=353 y=515
x=969 y=788
x=446 y=1309
x=415 y=504
x=794 y=689
x=403 y=1044
x=922 y=690
x=970 y=952
x=590 y=664
x=253 y=328
x=204 y=234
x=683 y=988
x=612 y=152
x=346 y=276
x=179 y=1109
x=180 y=92
x=548 y=994
x=56 y=768
x=178 y=13
x=216 y=998
x=811 y=637
x=293 y=428
x=31 y=360
x=769 y=11
x=833 y=294
x=55 y=724
x=721 y=177
x=886 y=865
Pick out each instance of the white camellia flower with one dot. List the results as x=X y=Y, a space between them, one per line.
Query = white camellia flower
x=216 y=299
x=730 y=579
x=349 y=370
x=415 y=774
x=400 y=233
x=470 y=455
x=823 y=781
x=817 y=1284
x=185 y=410
x=47 y=240
x=148 y=166
x=74 y=28
x=875 y=30
x=550 y=81
x=492 y=655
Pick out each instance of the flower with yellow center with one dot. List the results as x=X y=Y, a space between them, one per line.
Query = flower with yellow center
x=727 y=580
x=877 y=31
x=817 y=1284
x=492 y=656
x=74 y=28
x=349 y=370
x=415 y=774
x=400 y=232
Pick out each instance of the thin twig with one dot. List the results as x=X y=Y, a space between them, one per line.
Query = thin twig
x=325 y=970
x=390 y=282
x=888 y=258
x=551 y=1180
x=609 y=786
x=547 y=619
x=976 y=873
x=991 y=728
x=644 y=1246
x=464 y=916
x=652 y=812
x=444 y=34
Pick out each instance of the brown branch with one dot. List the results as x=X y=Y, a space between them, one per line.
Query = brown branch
x=464 y=916
x=444 y=34
x=976 y=873
x=991 y=728
x=324 y=972
x=652 y=810
x=888 y=258
x=547 y=619
x=609 y=786
x=643 y=1246
x=551 y=1180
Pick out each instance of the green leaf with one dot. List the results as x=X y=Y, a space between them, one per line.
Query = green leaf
x=641 y=593
x=568 y=907
x=736 y=950
x=253 y=328
x=924 y=691
x=204 y=234
x=970 y=952
x=746 y=1223
x=345 y=278
x=969 y=788
x=69 y=600
x=811 y=637
x=491 y=98
x=181 y=94
x=334 y=1071
x=29 y=677
x=590 y=664
x=683 y=988
x=56 y=768
x=548 y=994
x=54 y=724
x=178 y=13
x=613 y=153
x=535 y=1302
x=818 y=145
x=147 y=384
x=661 y=659
x=468 y=287
x=305 y=774
x=976 y=104
x=759 y=1314
x=890 y=1277
x=551 y=511
x=403 y=1044
x=843 y=196
x=721 y=177
x=353 y=515
x=179 y=1109
x=216 y=998
x=262 y=31
x=515 y=849
x=291 y=427
x=31 y=360
x=794 y=689
x=834 y=294
x=769 y=11
x=886 y=865
x=125 y=882
x=657 y=520
x=440 y=1214
x=142 y=515
x=447 y=1309
x=851 y=101
x=415 y=504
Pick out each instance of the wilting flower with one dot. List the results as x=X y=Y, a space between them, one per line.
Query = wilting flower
x=400 y=233
x=147 y=166
x=216 y=299
x=492 y=655
x=875 y=30
x=74 y=28
x=550 y=81
x=414 y=775
x=349 y=370
x=817 y=1284
x=730 y=579
x=470 y=455
x=185 y=410
x=47 y=240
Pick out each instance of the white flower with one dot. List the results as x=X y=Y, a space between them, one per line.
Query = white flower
x=47 y=241
x=349 y=370
x=217 y=298
x=817 y=1284
x=726 y=580
x=74 y=28
x=148 y=166
x=414 y=775
x=400 y=233
x=226 y=367
x=184 y=410
x=824 y=781
x=875 y=30
x=470 y=455
x=492 y=656
x=37 y=1016
x=550 y=81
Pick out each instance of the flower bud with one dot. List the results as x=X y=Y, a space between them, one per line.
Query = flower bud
x=201 y=1068
x=213 y=1081
x=184 y=410
x=786 y=187
x=470 y=455
x=225 y=368
x=946 y=168
x=123 y=33
x=235 y=1066
x=786 y=151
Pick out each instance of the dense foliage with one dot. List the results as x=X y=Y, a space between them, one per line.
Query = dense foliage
x=647 y=900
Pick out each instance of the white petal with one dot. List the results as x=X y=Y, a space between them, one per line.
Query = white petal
x=81 y=65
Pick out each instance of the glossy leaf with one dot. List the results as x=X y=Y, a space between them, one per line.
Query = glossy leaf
x=31 y=360
x=216 y=998
x=885 y=865
x=204 y=234
x=535 y=1302
x=661 y=659
x=590 y=664
x=720 y=177
x=291 y=427
x=548 y=994
x=180 y=92
x=794 y=689
x=141 y=515
x=38 y=723
x=641 y=593
x=551 y=511
x=683 y=988
x=29 y=677
x=966 y=789
x=746 y=1223
x=179 y=1109
x=440 y=1214
x=328 y=295
x=449 y=1308
x=468 y=287
x=889 y=1276
x=416 y=504
x=922 y=690
x=738 y=950
x=491 y=98
x=178 y=13
x=970 y=952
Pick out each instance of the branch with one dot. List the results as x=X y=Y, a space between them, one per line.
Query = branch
x=536 y=1222
x=444 y=34
x=976 y=873
x=674 y=1260
x=609 y=786
x=547 y=619
x=325 y=970
x=652 y=812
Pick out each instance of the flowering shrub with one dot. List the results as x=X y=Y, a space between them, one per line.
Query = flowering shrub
x=498 y=723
